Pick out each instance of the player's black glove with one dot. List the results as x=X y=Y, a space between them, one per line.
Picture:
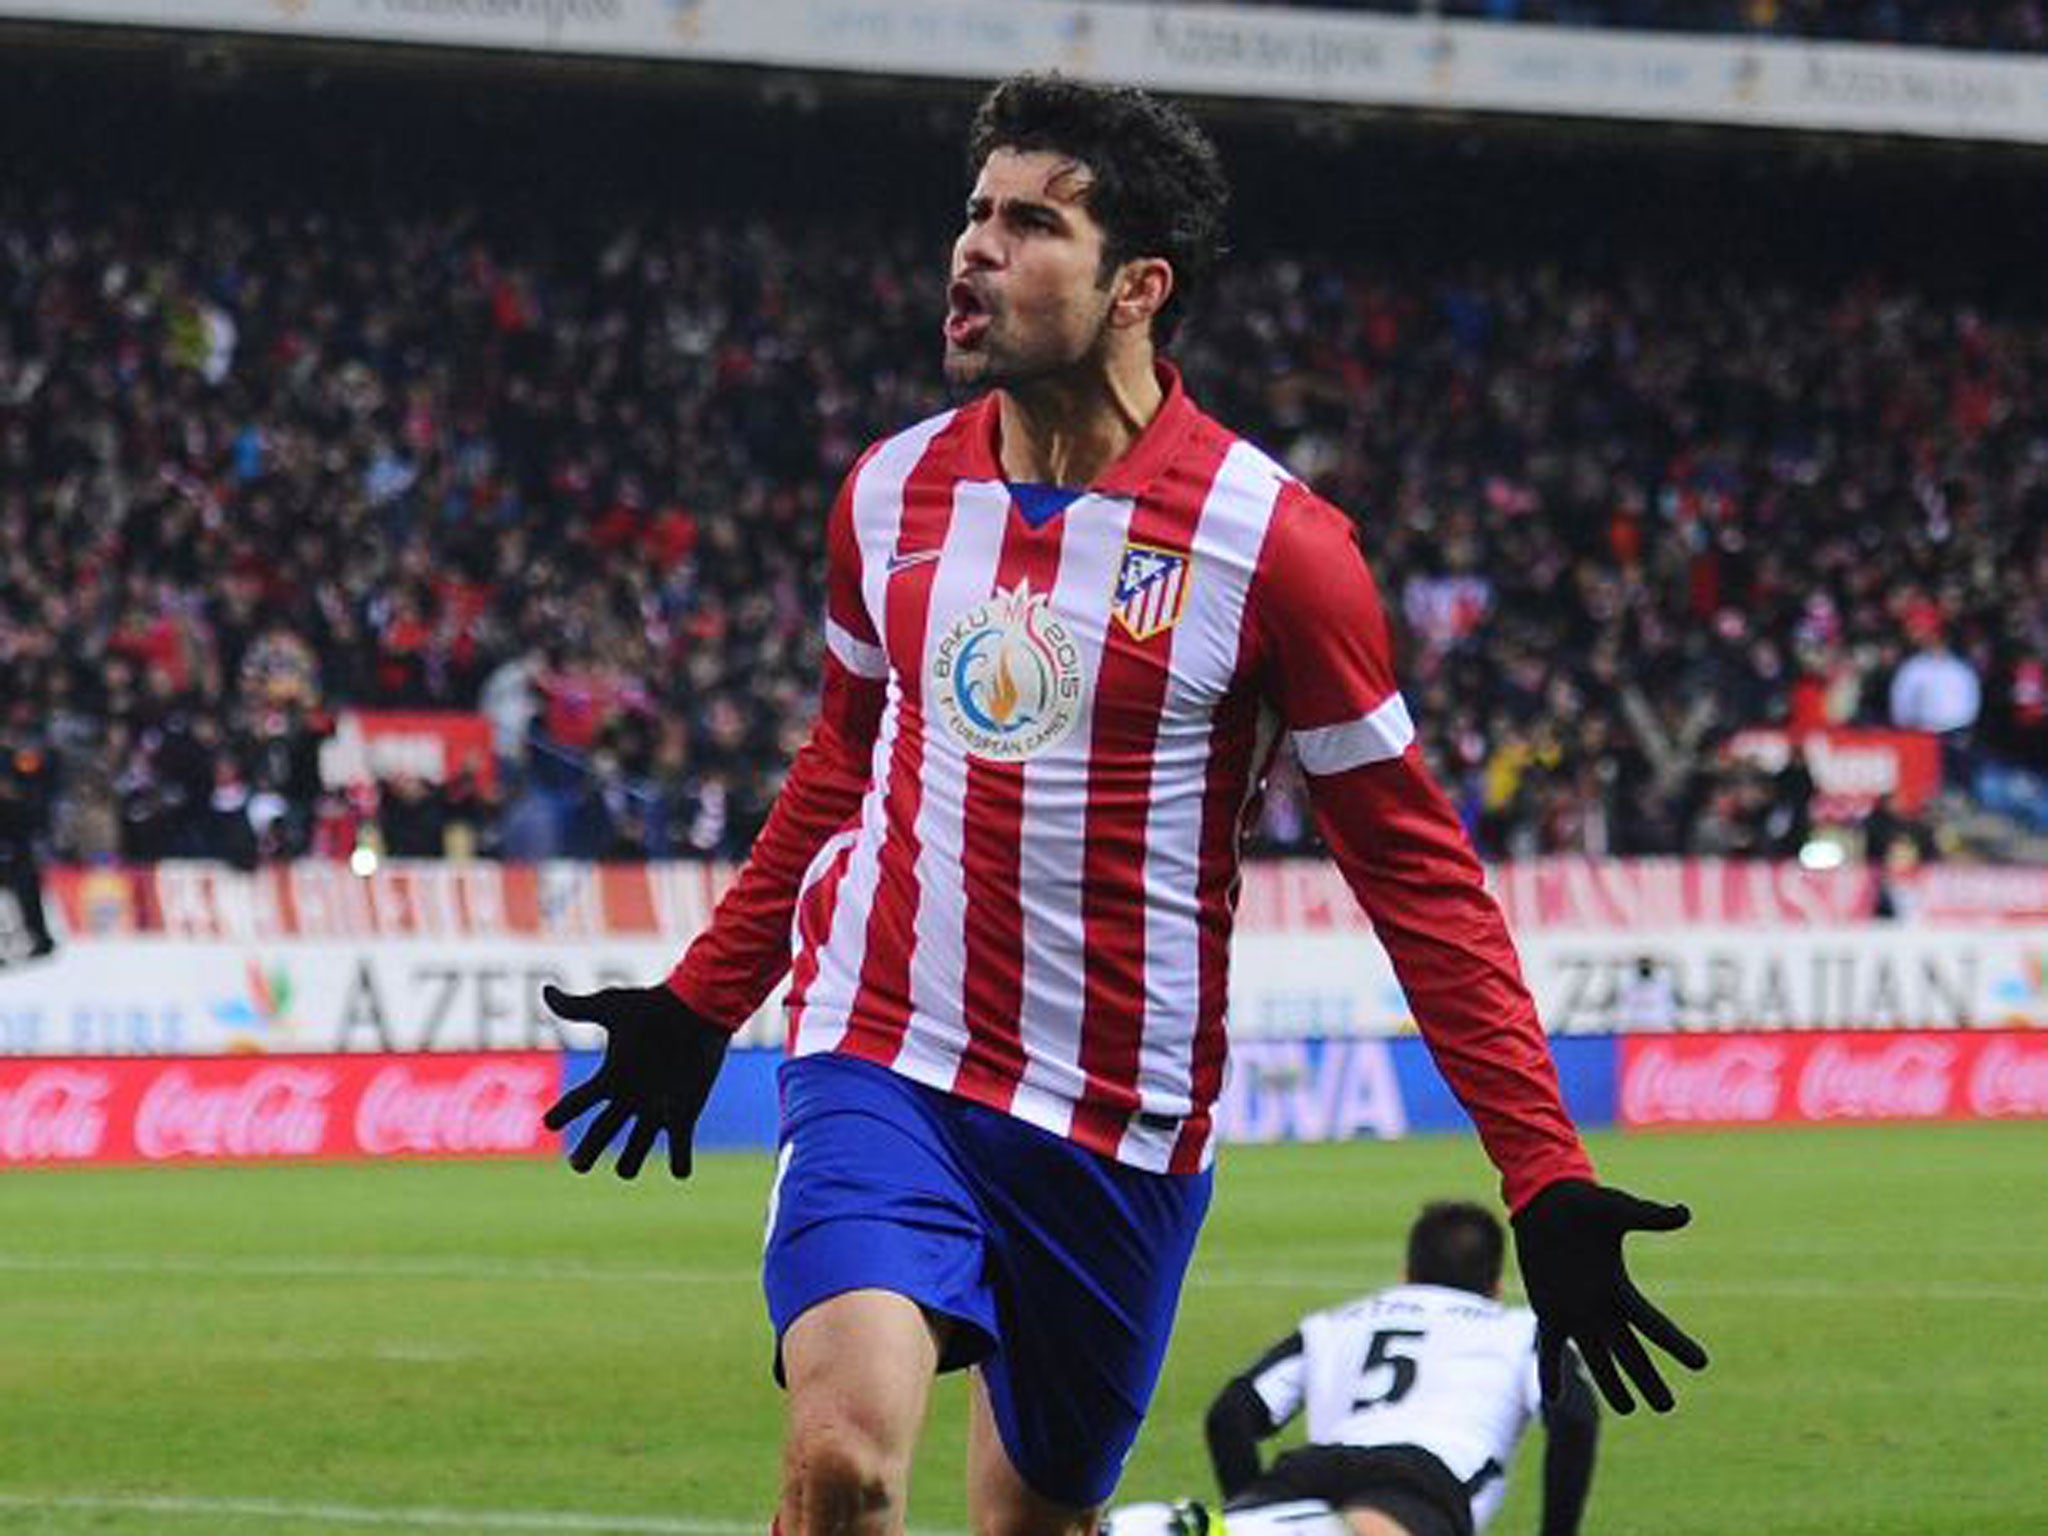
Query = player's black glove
x=659 y=1062
x=1569 y=1242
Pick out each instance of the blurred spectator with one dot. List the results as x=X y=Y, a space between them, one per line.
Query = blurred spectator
x=279 y=670
x=23 y=802
x=1788 y=821
x=1894 y=846
x=469 y=818
x=410 y=819
x=1935 y=690
x=510 y=700
x=1649 y=998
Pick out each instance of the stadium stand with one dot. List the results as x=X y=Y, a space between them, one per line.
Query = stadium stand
x=487 y=417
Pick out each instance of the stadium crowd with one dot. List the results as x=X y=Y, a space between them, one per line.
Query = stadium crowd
x=264 y=457
x=1994 y=25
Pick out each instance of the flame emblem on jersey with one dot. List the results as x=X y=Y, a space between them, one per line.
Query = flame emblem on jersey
x=1151 y=590
x=1006 y=676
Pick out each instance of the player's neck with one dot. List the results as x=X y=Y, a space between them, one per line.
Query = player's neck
x=1067 y=431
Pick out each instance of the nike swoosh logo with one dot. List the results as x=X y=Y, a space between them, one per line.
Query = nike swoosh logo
x=915 y=557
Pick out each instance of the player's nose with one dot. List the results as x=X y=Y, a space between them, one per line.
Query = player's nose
x=976 y=249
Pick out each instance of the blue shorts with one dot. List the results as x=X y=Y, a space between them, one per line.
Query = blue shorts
x=1060 y=1268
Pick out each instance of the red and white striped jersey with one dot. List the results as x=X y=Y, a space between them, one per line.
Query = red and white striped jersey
x=1004 y=864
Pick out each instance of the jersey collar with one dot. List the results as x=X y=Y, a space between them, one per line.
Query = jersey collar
x=1155 y=448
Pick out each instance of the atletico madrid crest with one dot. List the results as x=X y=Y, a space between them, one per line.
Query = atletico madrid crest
x=1151 y=590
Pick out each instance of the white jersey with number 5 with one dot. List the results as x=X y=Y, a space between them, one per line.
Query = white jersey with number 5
x=1427 y=1365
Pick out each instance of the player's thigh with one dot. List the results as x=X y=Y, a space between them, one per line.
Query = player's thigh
x=859 y=1368
x=1088 y=1256
x=999 y=1503
x=869 y=1196
x=1371 y=1522
x=1379 y=1490
x=1401 y=1511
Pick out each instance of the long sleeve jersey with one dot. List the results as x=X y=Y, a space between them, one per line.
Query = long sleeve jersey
x=1005 y=863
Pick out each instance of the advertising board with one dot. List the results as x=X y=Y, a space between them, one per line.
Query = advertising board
x=259 y=1108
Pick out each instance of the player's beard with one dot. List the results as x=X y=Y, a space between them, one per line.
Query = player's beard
x=1020 y=369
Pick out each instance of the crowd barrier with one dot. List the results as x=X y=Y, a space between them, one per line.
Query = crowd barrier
x=197 y=959
x=306 y=1012
x=152 y=1109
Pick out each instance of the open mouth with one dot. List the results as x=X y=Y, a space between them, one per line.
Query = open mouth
x=967 y=316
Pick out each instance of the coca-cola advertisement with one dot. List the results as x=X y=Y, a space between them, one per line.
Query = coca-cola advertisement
x=1795 y=1078
x=53 y=1111
x=253 y=1108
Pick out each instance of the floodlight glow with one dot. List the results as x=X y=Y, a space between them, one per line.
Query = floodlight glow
x=1822 y=853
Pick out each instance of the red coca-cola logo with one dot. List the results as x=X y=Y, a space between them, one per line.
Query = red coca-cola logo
x=1735 y=1080
x=54 y=1115
x=273 y=1111
x=2010 y=1079
x=491 y=1107
x=1908 y=1079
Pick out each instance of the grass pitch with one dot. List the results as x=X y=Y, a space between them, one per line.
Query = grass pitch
x=505 y=1347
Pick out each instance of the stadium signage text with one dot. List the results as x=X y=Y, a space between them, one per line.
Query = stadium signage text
x=427 y=900
x=56 y=1112
x=234 y=1108
x=199 y=960
x=1757 y=1079
x=1734 y=983
x=1274 y=53
x=1303 y=1090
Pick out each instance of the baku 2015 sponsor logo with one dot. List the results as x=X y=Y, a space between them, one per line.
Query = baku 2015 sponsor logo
x=1006 y=677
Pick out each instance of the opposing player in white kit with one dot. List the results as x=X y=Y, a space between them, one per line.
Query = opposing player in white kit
x=1416 y=1398
x=1067 y=625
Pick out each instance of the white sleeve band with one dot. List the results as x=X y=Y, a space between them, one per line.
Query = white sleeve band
x=1373 y=738
x=1282 y=1386
x=854 y=653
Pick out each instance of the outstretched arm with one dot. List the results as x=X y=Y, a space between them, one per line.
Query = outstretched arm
x=1405 y=857
x=1322 y=640
x=1322 y=637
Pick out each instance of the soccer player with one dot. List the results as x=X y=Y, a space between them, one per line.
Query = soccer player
x=1067 y=626
x=1416 y=1397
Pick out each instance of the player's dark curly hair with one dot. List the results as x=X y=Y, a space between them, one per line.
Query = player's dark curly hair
x=1159 y=188
x=1457 y=1243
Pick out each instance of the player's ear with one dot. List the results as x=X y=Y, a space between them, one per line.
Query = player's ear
x=1140 y=290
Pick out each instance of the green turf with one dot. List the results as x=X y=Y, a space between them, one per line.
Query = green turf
x=444 y=1346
